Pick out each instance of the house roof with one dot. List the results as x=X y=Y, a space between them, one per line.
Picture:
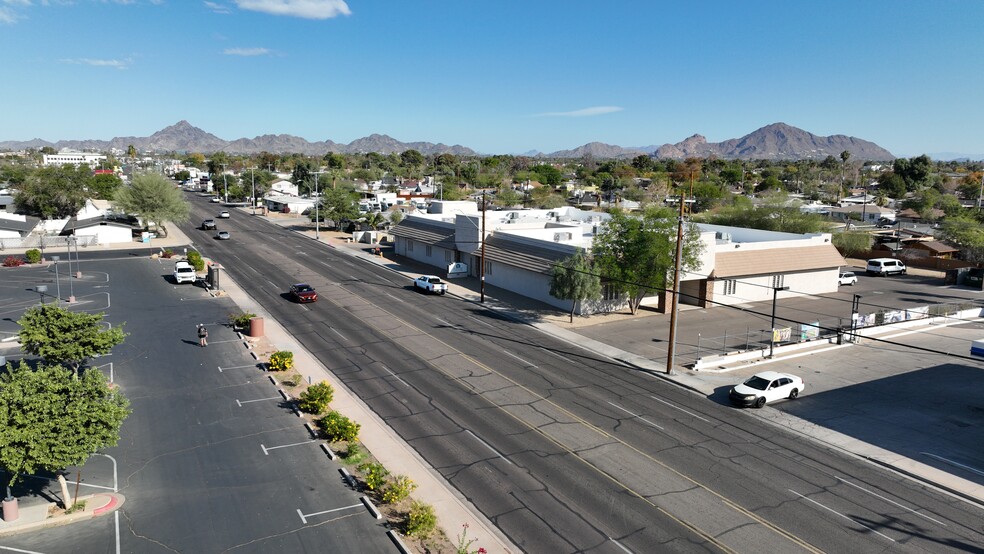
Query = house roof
x=522 y=254
x=21 y=226
x=934 y=246
x=425 y=232
x=743 y=263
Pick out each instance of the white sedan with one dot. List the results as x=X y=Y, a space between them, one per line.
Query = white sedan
x=223 y=214
x=767 y=386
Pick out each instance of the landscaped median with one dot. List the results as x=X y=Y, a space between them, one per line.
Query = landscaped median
x=390 y=494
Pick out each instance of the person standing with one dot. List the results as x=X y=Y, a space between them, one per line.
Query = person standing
x=202 y=335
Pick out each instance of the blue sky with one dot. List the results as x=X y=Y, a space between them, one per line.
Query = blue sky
x=502 y=76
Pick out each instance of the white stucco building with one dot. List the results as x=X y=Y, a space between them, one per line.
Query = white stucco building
x=73 y=158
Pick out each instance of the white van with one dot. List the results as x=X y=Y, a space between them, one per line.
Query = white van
x=885 y=266
x=184 y=272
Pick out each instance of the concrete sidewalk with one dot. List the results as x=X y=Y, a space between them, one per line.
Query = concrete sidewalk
x=38 y=515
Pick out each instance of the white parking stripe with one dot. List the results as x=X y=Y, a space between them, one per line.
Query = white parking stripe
x=951 y=462
x=305 y=516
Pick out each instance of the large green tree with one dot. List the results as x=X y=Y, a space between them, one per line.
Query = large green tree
x=52 y=192
x=338 y=204
x=105 y=185
x=152 y=197
x=572 y=279
x=852 y=243
x=637 y=254
x=967 y=233
x=51 y=420
x=61 y=336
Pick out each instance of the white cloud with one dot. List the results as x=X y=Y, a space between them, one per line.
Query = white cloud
x=586 y=112
x=246 y=51
x=118 y=64
x=218 y=8
x=307 y=9
x=8 y=16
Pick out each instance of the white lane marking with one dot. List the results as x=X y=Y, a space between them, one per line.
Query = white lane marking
x=445 y=323
x=333 y=330
x=12 y=549
x=241 y=402
x=480 y=321
x=551 y=352
x=393 y=297
x=618 y=544
x=354 y=278
x=489 y=446
x=890 y=501
x=637 y=416
x=679 y=408
x=305 y=516
x=221 y=369
x=273 y=285
x=951 y=462
x=849 y=518
x=267 y=449
x=506 y=352
x=395 y=375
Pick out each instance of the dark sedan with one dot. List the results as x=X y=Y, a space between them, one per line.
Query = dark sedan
x=303 y=293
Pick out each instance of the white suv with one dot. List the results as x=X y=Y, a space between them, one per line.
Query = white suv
x=885 y=266
x=184 y=272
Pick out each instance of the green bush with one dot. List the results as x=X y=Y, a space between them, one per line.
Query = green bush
x=241 y=320
x=421 y=520
x=33 y=256
x=398 y=488
x=316 y=398
x=281 y=360
x=337 y=427
x=12 y=261
x=354 y=453
x=375 y=475
x=167 y=254
x=195 y=259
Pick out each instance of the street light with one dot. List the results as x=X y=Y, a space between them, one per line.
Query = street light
x=317 y=205
x=772 y=339
x=252 y=179
x=41 y=289
x=57 y=280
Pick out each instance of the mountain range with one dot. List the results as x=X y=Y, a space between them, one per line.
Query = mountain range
x=772 y=142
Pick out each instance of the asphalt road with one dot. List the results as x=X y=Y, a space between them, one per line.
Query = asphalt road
x=211 y=460
x=567 y=451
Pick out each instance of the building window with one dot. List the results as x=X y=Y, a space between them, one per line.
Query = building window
x=777 y=281
x=609 y=292
x=730 y=286
x=429 y=251
x=409 y=246
x=488 y=267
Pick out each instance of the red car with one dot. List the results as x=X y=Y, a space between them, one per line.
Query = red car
x=303 y=293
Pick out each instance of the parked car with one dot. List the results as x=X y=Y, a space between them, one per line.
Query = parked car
x=215 y=200
x=223 y=215
x=767 y=386
x=430 y=283
x=184 y=272
x=303 y=293
x=208 y=224
x=885 y=266
x=847 y=278
x=223 y=235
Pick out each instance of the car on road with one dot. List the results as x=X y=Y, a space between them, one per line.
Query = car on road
x=208 y=224
x=767 y=386
x=223 y=215
x=847 y=278
x=215 y=200
x=303 y=293
x=430 y=283
x=223 y=235
x=885 y=266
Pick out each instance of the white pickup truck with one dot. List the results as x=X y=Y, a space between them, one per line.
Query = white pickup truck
x=430 y=283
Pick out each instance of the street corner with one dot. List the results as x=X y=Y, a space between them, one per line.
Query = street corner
x=105 y=503
x=43 y=516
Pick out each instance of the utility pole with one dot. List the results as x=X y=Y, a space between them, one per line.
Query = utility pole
x=483 y=247
x=670 y=351
x=252 y=179
x=317 y=206
x=225 y=184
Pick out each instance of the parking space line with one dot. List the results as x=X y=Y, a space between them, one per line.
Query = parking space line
x=951 y=462
x=241 y=402
x=637 y=416
x=840 y=514
x=221 y=369
x=305 y=516
x=267 y=449
x=890 y=501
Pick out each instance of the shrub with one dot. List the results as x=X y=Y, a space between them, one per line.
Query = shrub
x=281 y=360
x=33 y=256
x=316 y=398
x=354 y=453
x=375 y=475
x=195 y=259
x=421 y=520
x=464 y=543
x=11 y=261
x=241 y=320
x=167 y=254
x=399 y=488
x=337 y=427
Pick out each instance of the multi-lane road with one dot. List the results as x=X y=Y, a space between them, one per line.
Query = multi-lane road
x=565 y=450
